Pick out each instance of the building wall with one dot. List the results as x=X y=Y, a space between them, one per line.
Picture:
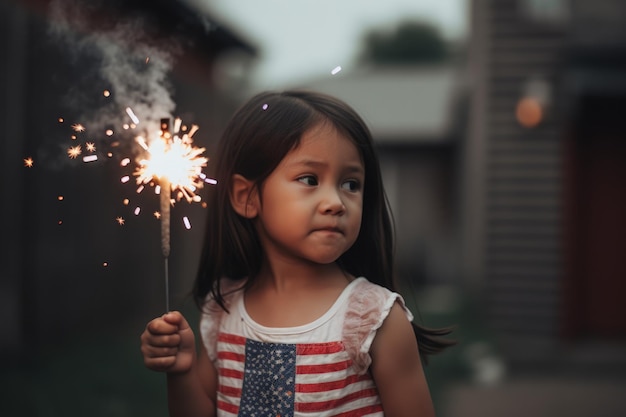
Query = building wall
x=515 y=173
x=531 y=66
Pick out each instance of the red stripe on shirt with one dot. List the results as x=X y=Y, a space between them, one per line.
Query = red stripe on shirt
x=370 y=409
x=230 y=408
x=230 y=391
x=332 y=385
x=231 y=338
x=331 y=404
x=231 y=373
x=319 y=348
x=323 y=368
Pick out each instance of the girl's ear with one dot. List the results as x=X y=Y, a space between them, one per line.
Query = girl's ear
x=244 y=197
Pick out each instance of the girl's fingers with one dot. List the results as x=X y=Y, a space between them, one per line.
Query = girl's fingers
x=160 y=363
x=160 y=352
x=172 y=340
x=160 y=326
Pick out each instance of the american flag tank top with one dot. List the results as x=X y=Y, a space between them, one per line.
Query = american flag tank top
x=272 y=372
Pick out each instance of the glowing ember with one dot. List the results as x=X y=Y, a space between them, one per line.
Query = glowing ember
x=74 y=151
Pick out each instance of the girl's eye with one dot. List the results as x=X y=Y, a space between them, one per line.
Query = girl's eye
x=351 y=185
x=308 y=180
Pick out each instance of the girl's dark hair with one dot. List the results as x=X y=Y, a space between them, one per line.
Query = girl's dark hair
x=254 y=142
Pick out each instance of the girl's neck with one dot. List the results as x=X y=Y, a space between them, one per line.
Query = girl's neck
x=288 y=278
x=292 y=297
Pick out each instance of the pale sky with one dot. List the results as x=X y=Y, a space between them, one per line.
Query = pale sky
x=303 y=39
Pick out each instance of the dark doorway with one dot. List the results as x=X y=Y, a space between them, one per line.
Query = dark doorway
x=595 y=213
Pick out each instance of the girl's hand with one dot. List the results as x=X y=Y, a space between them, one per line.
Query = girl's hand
x=168 y=344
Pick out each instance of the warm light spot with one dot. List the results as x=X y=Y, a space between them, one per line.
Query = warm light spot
x=28 y=162
x=91 y=147
x=77 y=127
x=126 y=201
x=60 y=222
x=109 y=132
x=137 y=211
x=157 y=215
x=74 y=151
x=106 y=93
x=105 y=264
x=60 y=198
x=120 y=220
x=61 y=120
x=125 y=179
x=529 y=112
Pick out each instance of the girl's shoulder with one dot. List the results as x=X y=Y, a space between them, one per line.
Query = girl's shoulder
x=368 y=306
x=212 y=313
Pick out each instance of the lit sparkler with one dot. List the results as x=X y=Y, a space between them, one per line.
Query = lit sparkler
x=176 y=165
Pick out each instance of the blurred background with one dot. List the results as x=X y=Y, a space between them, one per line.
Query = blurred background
x=503 y=147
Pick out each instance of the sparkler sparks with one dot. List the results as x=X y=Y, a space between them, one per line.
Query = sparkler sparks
x=74 y=151
x=77 y=127
x=175 y=159
x=170 y=164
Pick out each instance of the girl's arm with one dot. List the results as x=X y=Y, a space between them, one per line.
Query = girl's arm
x=193 y=393
x=397 y=369
x=168 y=345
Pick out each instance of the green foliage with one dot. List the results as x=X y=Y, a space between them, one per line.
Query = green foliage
x=411 y=42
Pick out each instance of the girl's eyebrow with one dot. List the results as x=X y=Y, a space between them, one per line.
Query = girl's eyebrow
x=313 y=163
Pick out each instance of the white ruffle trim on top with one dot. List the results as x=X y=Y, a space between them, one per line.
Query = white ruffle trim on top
x=368 y=307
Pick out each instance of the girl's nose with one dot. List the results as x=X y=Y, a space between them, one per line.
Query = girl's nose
x=332 y=203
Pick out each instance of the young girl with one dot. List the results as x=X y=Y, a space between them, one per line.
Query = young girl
x=299 y=314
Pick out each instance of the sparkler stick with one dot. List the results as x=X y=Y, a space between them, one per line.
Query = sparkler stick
x=164 y=199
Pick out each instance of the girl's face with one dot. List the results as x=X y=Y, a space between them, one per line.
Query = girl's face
x=311 y=204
